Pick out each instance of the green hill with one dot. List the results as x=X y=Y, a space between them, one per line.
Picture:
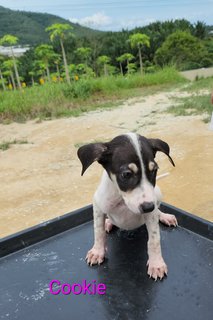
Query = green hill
x=29 y=27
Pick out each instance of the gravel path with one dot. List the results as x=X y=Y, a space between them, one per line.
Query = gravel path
x=41 y=179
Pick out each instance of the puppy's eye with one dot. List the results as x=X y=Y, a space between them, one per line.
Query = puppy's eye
x=127 y=174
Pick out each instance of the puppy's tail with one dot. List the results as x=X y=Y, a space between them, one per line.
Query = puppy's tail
x=162 y=175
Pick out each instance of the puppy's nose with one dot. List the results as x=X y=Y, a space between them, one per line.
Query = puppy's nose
x=147 y=207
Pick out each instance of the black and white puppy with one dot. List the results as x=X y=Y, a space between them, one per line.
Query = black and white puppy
x=127 y=194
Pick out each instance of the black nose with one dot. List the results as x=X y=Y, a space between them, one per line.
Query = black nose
x=147 y=207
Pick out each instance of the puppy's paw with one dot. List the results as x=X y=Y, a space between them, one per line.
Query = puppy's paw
x=108 y=225
x=95 y=256
x=157 y=268
x=168 y=219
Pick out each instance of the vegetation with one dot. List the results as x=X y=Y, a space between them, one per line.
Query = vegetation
x=183 y=50
x=61 y=99
x=6 y=144
x=138 y=40
x=11 y=41
x=64 y=73
x=60 y=31
x=199 y=101
x=33 y=26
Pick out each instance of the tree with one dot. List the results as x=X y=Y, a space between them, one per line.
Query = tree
x=1 y=75
x=120 y=60
x=45 y=53
x=200 y=30
x=138 y=40
x=183 y=50
x=84 y=53
x=104 y=60
x=125 y=57
x=61 y=31
x=39 y=68
x=56 y=61
x=8 y=71
x=32 y=74
x=12 y=40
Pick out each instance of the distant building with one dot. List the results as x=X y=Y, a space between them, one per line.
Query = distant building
x=18 y=50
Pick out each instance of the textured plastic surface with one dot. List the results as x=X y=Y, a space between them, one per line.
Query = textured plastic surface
x=185 y=294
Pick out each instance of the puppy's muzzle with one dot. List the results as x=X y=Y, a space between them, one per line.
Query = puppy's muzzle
x=147 y=207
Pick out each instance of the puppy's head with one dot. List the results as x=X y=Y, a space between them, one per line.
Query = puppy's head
x=130 y=163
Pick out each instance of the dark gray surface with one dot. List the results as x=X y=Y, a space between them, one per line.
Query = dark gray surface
x=185 y=294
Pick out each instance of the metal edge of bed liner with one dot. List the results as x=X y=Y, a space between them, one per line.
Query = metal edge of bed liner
x=45 y=230
x=30 y=236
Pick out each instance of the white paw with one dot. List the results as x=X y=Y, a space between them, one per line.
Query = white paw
x=95 y=256
x=108 y=225
x=168 y=219
x=157 y=268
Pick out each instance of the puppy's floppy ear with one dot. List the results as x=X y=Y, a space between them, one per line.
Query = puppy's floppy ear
x=160 y=145
x=89 y=153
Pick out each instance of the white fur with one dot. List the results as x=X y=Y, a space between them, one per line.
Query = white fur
x=122 y=208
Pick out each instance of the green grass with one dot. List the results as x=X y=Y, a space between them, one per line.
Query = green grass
x=5 y=145
x=199 y=102
x=63 y=100
x=199 y=84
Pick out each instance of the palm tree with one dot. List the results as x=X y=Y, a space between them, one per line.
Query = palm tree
x=11 y=40
x=125 y=57
x=120 y=60
x=8 y=67
x=32 y=73
x=1 y=75
x=39 y=67
x=104 y=60
x=84 y=53
x=60 y=30
x=45 y=53
x=56 y=61
x=138 y=40
x=200 y=30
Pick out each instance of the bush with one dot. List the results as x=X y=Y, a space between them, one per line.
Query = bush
x=61 y=99
x=183 y=49
x=79 y=89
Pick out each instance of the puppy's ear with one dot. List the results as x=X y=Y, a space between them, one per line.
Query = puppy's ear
x=89 y=153
x=160 y=145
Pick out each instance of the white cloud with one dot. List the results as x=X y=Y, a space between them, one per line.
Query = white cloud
x=132 y=23
x=97 y=20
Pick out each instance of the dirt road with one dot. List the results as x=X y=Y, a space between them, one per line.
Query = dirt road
x=200 y=73
x=41 y=179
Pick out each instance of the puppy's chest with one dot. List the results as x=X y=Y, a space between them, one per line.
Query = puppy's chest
x=123 y=218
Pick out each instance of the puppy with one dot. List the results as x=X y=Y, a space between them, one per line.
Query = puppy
x=127 y=194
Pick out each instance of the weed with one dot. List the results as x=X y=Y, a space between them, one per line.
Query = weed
x=192 y=105
x=62 y=100
x=5 y=145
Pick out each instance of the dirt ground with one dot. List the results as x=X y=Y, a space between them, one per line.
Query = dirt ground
x=41 y=180
x=201 y=73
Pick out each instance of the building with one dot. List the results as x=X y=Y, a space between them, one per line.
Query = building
x=18 y=50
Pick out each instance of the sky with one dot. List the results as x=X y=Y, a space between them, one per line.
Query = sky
x=115 y=15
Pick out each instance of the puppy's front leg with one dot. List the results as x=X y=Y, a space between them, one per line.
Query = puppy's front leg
x=96 y=254
x=156 y=265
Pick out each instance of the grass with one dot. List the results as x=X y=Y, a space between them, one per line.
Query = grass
x=5 y=145
x=62 y=100
x=199 y=101
x=199 y=84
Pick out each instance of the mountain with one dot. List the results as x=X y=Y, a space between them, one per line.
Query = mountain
x=29 y=27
